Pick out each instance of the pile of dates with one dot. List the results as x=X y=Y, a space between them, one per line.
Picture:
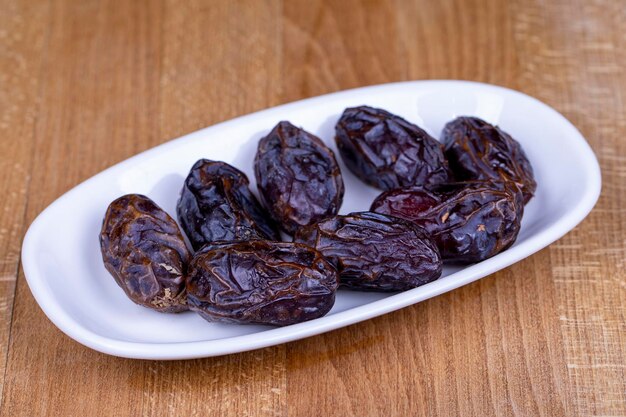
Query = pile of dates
x=460 y=200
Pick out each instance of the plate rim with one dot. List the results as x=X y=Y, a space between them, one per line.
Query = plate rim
x=206 y=348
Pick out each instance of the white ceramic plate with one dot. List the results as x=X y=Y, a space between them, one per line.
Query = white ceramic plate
x=61 y=255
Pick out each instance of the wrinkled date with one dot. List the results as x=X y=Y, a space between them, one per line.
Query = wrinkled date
x=375 y=252
x=388 y=152
x=144 y=250
x=216 y=204
x=477 y=150
x=298 y=177
x=469 y=221
x=262 y=282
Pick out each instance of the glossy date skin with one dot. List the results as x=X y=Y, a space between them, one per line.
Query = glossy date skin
x=144 y=250
x=477 y=150
x=375 y=252
x=298 y=177
x=262 y=282
x=469 y=221
x=216 y=204
x=388 y=152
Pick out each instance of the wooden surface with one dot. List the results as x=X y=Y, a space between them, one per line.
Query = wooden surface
x=86 y=84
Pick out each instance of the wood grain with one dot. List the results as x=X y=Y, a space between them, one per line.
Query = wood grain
x=587 y=264
x=87 y=84
x=21 y=55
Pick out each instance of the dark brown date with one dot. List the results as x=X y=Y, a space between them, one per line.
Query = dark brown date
x=216 y=204
x=477 y=150
x=298 y=177
x=388 y=152
x=145 y=252
x=469 y=221
x=374 y=251
x=261 y=282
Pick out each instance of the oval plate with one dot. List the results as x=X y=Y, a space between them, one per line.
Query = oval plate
x=61 y=254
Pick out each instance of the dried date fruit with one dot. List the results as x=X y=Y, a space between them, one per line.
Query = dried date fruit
x=216 y=204
x=298 y=177
x=374 y=251
x=143 y=249
x=469 y=221
x=386 y=151
x=477 y=150
x=261 y=282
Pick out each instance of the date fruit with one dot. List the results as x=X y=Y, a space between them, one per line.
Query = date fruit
x=386 y=151
x=261 y=282
x=469 y=221
x=216 y=204
x=145 y=252
x=477 y=150
x=374 y=251
x=298 y=177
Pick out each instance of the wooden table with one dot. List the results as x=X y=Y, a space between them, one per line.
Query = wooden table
x=86 y=84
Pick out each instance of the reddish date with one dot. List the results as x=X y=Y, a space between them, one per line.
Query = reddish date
x=144 y=250
x=216 y=204
x=469 y=221
x=261 y=282
x=388 y=152
x=374 y=251
x=298 y=177
x=477 y=150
